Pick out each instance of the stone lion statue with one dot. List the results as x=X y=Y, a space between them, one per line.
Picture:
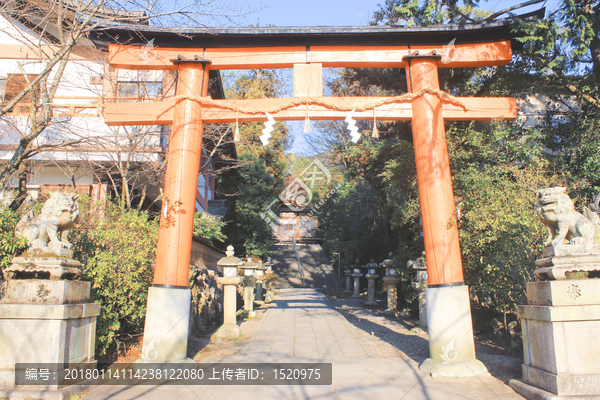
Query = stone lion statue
x=557 y=212
x=49 y=231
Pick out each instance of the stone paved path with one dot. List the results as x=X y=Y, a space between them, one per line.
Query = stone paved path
x=302 y=327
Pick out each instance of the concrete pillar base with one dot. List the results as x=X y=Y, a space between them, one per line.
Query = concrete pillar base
x=228 y=331
x=167 y=324
x=466 y=369
x=451 y=342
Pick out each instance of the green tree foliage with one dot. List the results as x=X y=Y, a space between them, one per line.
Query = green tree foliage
x=208 y=227
x=561 y=61
x=496 y=171
x=260 y=84
x=425 y=13
x=255 y=183
x=10 y=245
x=496 y=166
x=117 y=249
x=252 y=190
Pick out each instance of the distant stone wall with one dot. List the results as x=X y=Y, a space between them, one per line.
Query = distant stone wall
x=205 y=255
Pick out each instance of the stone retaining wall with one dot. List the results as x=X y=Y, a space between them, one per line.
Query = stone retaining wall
x=205 y=255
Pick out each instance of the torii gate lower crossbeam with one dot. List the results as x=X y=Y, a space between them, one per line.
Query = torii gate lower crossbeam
x=452 y=349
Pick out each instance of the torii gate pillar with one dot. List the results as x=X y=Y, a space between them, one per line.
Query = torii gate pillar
x=451 y=342
x=168 y=312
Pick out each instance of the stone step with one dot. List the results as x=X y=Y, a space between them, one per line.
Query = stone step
x=315 y=267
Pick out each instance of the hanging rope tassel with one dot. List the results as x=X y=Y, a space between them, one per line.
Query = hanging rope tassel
x=306 y=121
x=375 y=130
x=237 y=139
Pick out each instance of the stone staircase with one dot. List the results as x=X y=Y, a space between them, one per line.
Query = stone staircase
x=318 y=274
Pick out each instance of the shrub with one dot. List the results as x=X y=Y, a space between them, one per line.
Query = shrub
x=10 y=245
x=117 y=248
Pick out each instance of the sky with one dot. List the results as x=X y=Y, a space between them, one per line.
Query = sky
x=335 y=12
x=308 y=12
x=332 y=13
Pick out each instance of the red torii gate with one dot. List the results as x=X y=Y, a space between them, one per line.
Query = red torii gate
x=236 y=49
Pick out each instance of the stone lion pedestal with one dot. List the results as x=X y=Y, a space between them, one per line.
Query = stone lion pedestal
x=561 y=327
x=45 y=321
x=561 y=322
x=45 y=318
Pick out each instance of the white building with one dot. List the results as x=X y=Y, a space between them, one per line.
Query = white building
x=78 y=151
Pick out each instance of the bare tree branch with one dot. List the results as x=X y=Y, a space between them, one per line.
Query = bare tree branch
x=507 y=10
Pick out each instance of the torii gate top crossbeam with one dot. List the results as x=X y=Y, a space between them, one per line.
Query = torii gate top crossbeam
x=307 y=51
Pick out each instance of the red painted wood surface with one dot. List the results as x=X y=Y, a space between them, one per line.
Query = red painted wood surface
x=155 y=113
x=181 y=181
x=438 y=211
x=467 y=55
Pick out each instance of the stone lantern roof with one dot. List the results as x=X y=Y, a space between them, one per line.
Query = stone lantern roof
x=230 y=260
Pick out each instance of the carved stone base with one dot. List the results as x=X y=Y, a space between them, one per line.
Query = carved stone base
x=533 y=393
x=560 y=261
x=43 y=268
x=44 y=321
x=560 y=337
x=43 y=291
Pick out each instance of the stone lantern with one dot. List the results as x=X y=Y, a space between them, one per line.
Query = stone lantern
x=249 y=280
x=348 y=273
x=356 y=274
x=420 y=284
x=391 y=280
x=229 y=280
x=258 y=287
x=372 y=275
x=269 y=265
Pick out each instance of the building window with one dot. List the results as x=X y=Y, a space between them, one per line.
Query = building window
x=202 y=185
x=139 y=85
